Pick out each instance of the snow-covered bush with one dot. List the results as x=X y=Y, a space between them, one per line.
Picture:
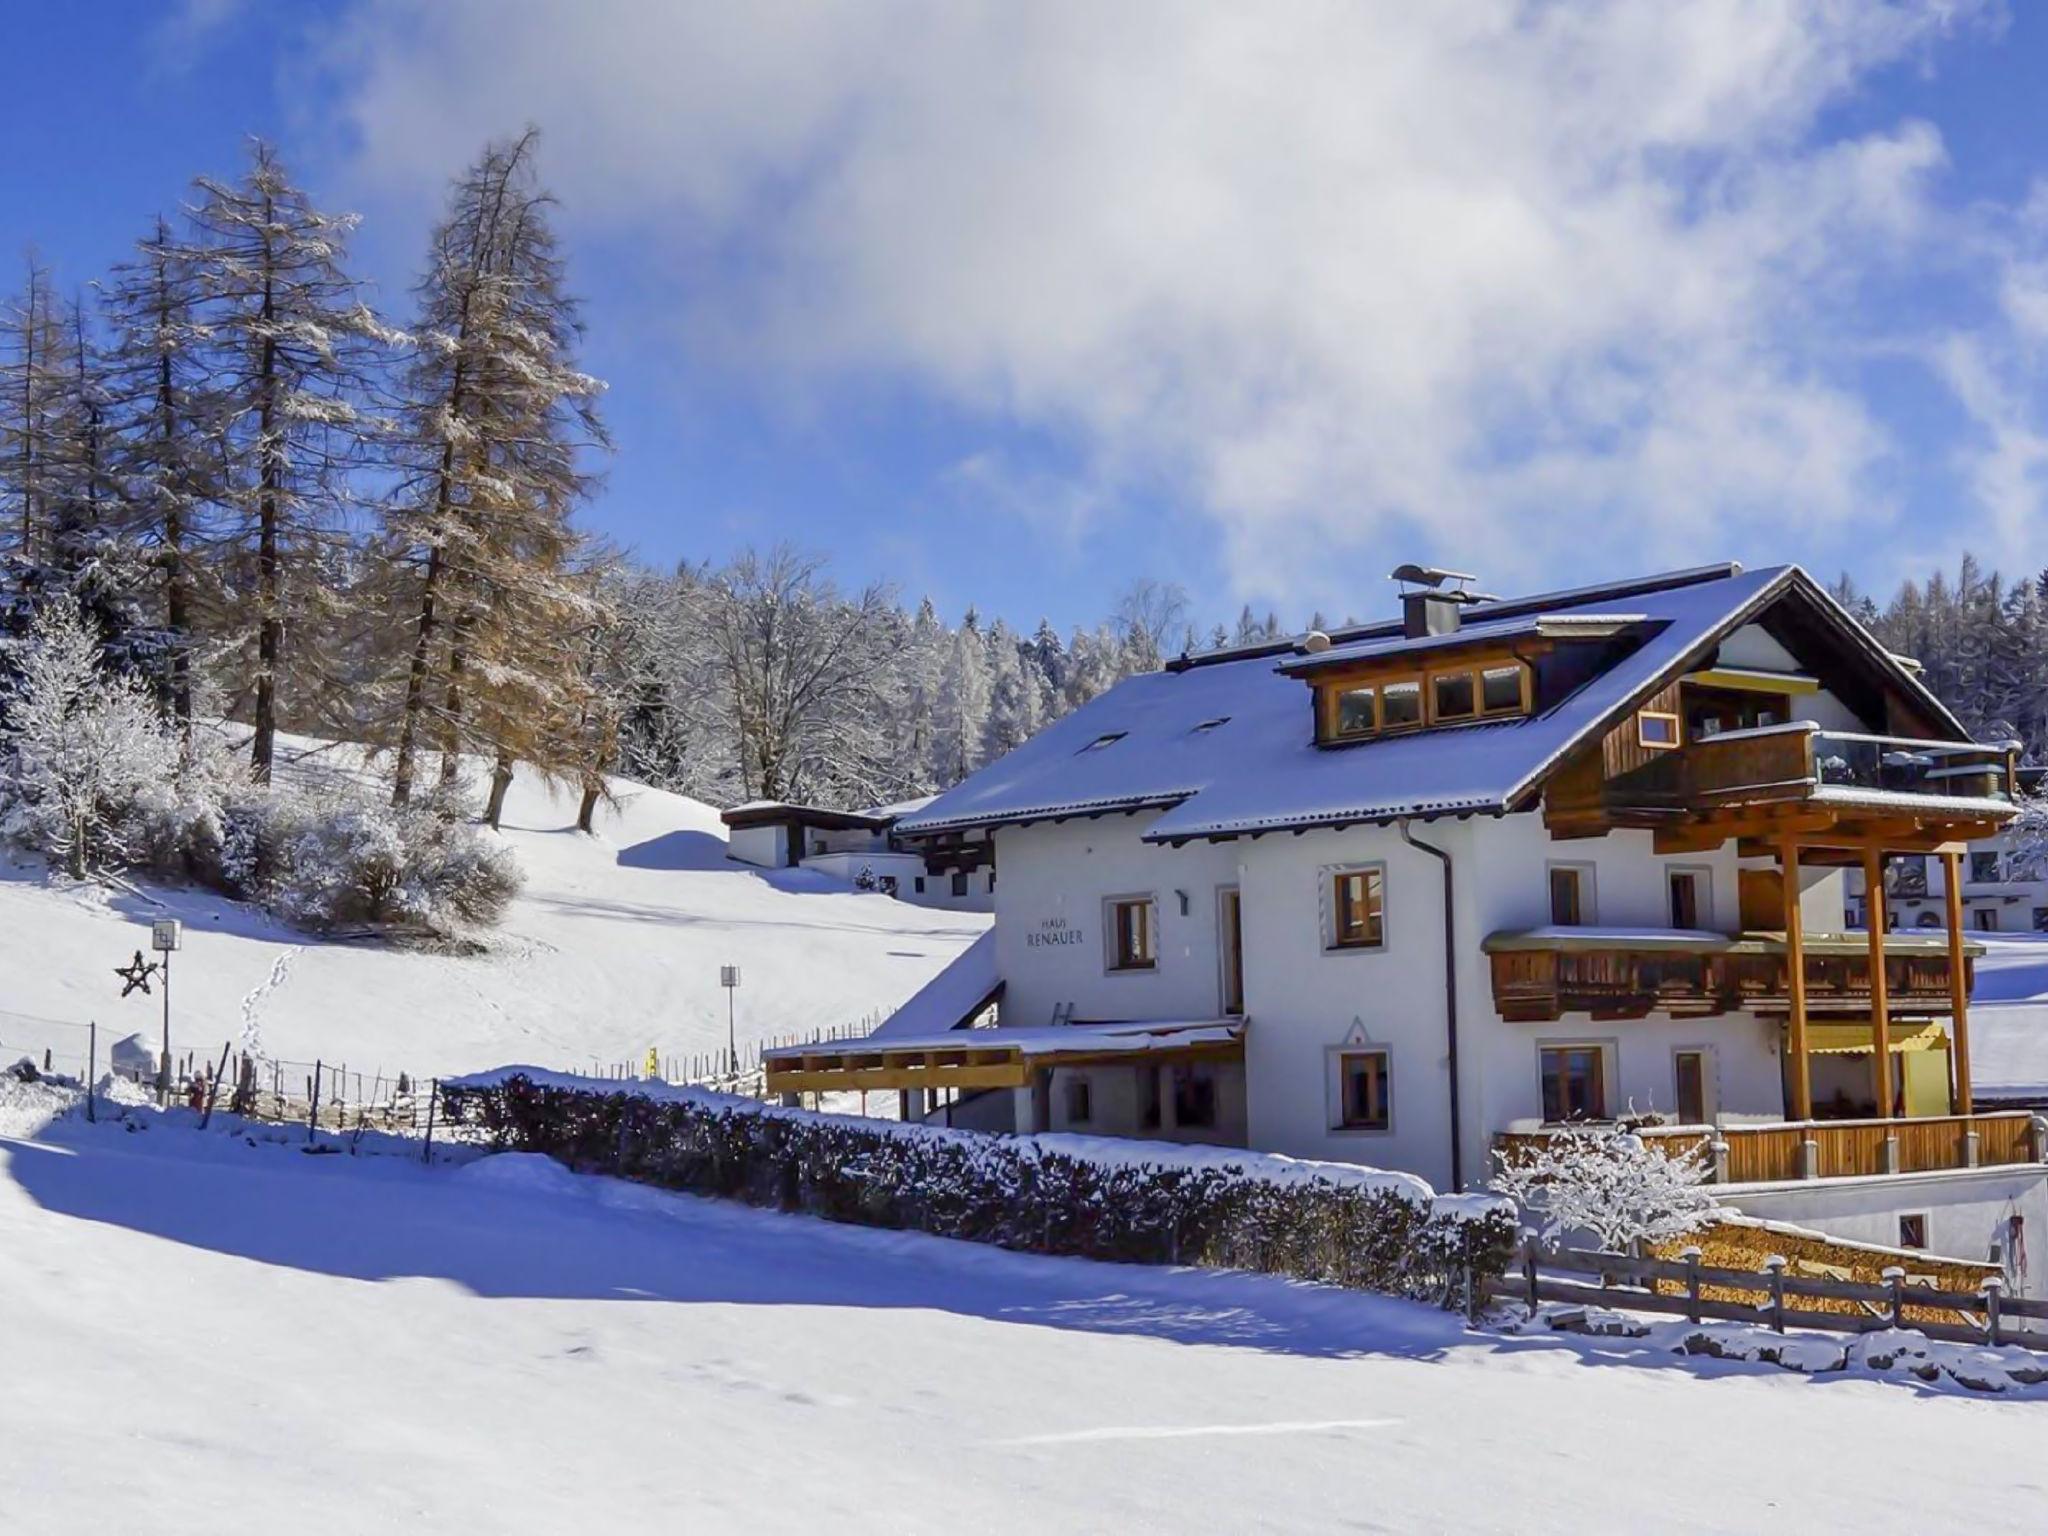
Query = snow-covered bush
x=93 y=775
x=82 y=747
x=1131 y=1202
x=1608 y=1181
x=334 y=857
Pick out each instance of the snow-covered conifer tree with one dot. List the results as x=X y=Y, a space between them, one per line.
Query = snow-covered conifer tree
x=498 y=419
x=293 y=355
x=165 y=444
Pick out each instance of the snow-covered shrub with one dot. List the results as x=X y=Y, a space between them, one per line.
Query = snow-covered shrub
x=334 y=857
x=1611 y=1182
x=82 y=747
x=1132 y=1202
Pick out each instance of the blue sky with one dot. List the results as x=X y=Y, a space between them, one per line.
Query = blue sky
x=1013 y=304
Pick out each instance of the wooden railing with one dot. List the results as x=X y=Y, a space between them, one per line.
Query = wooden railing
x=1535 y=981
x=1791 y=762
x=1696 y=1292
x=1767 y=1154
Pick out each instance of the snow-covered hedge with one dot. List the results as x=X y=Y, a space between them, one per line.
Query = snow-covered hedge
x=1128 y=1201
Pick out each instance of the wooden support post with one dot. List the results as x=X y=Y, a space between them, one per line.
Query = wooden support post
x=1799 y=1069
x=1992 y=1285
x=1958 y=978
x=1880 y=989
x=1691 y=1255
x=1775 y=1265
x=1529 y=1271
x=1895 y=1277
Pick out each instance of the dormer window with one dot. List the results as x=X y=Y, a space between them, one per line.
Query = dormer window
x=1108 y=739
x=1354 y=709
x=1400 y=704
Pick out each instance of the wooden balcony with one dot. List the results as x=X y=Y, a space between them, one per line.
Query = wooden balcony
x=1793 y=779
x=1831 y=1149
x=1545 y=973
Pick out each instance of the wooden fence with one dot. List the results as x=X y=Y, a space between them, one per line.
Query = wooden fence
x=1679 y=1286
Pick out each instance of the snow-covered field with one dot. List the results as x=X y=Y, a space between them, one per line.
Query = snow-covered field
x=613 y=947
x=201 y=1333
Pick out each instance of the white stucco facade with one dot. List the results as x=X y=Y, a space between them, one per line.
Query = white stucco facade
x=1307 y=1002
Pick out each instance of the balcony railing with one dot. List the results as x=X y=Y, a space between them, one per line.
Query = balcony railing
x=1830 y=1149
x=1800 y=761
x=1548 y=972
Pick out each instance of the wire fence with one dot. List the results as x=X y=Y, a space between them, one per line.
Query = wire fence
x=344 y=1095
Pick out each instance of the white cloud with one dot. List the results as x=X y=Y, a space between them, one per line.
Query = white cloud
x=1504 y=278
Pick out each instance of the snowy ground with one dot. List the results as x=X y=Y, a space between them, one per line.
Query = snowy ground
x=614 y=947
x=200 y=1331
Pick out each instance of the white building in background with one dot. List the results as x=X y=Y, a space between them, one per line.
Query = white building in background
x=2004 y=883
x=860 y=848
x=1400 y=894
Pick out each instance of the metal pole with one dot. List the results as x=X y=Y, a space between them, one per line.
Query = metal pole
x=163 y=1085
x=732 y=1049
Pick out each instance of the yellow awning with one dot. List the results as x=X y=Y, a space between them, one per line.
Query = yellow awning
x=1846 y=1039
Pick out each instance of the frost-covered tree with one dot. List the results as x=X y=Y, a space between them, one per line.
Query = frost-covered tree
x=166 y=448
x=963 y=705
x=36 y=381
x=1610 y=1182
x=83 y=745
x=498 y=418
x=292 y=355
x=801 y=665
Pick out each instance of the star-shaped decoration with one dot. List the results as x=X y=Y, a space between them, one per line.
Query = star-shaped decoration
x=136 y=975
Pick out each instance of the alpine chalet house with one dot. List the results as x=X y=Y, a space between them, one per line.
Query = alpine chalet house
x=1406 y=892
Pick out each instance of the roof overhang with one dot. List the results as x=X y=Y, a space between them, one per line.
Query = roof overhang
x=973 y=1059
x=777 y=814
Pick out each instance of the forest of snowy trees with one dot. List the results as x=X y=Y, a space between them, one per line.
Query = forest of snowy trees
x=1982 y=639
x=239 y=504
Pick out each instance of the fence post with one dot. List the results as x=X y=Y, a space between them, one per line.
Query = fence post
x=1529 y=1271
x=92 y=1060
x=433 y=1094
x=1691 y=1254
x=1895 y=1277
x=1775 y=1264
x=313 y=1110
x=213 y=1088
x=1992 y=1285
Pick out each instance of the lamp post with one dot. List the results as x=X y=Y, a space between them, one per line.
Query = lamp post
x=164 y=935
x=729 y=978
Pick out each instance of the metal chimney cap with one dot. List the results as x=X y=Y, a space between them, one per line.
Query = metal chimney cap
x=1315 y=640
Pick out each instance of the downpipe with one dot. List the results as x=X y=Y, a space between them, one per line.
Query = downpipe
x=1450 y=995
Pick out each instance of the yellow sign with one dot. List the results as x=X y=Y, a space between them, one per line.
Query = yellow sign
x=653 y=1063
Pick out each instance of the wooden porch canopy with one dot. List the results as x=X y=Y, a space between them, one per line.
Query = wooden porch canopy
x=973 y=1059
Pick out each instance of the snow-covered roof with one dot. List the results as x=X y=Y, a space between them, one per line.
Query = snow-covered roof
x=1156 y=743
x=1126 y=1037
x=950 y=998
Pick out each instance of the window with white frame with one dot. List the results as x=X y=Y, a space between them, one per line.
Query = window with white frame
x=1571 y=895
x=1364 y=1090
x=1357 y=908
x=1574 y=1082
x=1131 y=922
x=1690 y=889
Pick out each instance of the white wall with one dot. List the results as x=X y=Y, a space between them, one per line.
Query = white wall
x=1305 y=1002
x=1049 y=907
x=763 y=847
x=1752 y=646
x=1966 y=1212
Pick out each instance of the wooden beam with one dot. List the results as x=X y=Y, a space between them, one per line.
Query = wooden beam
x=1958 y=977
x=1880 y=1002
x=1799 y=1068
